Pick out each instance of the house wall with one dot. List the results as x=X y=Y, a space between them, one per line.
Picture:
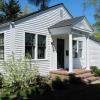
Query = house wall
x=39 y=25
x=94 y=53
x=7 y=42
x=77 y=62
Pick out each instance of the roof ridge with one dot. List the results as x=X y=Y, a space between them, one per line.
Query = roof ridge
x=34 y=13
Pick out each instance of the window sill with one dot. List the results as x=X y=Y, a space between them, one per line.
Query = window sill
x=39 y=59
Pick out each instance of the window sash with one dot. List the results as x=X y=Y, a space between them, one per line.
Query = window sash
x=2 y=46
x=79 y=49
x=41 y=46
x=30 y=45
x=75 y=54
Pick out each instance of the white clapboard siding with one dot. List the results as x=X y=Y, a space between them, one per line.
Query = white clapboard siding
x=94 y=53
x=38 y=25
x=7 y=41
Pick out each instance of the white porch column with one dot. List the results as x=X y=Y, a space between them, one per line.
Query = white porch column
x=87 y=53
x=70 y=54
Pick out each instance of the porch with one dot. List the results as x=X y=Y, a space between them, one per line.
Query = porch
x=65 y=50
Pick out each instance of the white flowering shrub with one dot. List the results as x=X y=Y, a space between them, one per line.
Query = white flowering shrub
x=19 y=72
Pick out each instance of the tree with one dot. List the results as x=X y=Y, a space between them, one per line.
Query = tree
x=9 y=10
x=96 y=5
x=25 y=11
x=42 y=4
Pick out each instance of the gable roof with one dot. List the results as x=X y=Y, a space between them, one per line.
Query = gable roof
x=67 y=22
x=71 y=22
x=36 y=14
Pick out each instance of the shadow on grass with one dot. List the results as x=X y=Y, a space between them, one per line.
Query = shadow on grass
x=72 y=89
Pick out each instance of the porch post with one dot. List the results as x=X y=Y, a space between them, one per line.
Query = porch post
x=70 y=54
x=87 y=53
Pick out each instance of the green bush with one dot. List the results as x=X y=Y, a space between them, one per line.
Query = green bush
x=57 y=83
x=19 y=73
x=44 y=89
x=1 y=80
x=21 y=80
x=95 y=70
x=75 y=80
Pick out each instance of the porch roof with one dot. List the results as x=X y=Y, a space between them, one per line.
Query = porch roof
x=77 y=23
x=68 y=22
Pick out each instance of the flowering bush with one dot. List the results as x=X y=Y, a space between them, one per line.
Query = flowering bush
x=19 y=73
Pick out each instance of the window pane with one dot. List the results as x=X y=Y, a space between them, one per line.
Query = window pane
x=80 y=53
x=29 y=45
x=2 y=46
x=75 y=48
x=41 y=46
x=80 y=44
x=29 y=39
x=41 y=53
x=1 y=39
x=80 y=49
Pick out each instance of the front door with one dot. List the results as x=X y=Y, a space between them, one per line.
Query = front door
x=60 y=53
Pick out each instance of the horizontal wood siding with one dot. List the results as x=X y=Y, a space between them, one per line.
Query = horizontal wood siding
x=94 y=53
x=38 y=25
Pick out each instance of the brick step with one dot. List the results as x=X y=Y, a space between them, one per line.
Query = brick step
x=81 y=72
x=59 y=72
x=92 y=79
x=85 y=75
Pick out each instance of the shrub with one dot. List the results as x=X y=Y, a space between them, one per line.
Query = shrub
x=1 y=81
x=19 y=73
x=44 y=89
x=95 y=70
x=75 y=80
x=57 y=83
x=21 y=80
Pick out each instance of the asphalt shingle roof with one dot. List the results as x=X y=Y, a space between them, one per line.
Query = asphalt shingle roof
x=67 y=22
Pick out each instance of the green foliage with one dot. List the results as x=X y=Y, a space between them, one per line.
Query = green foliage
x=1 y=80
x=19 y=73
x=57 y=83
x=95 y=70
x=42 y=4
x=21 y=80
x=25 y=11
x=75 y=80
x=9 y=10
x=96 y=5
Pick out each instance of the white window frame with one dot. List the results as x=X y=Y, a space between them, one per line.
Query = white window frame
x=77 y=41
x=3 y=47
x=36 y=47
x=45 y=48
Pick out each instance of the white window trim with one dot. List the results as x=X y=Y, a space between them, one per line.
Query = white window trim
x=4 y=48
x=78 y=49
x=45 y=48
x=36 y=47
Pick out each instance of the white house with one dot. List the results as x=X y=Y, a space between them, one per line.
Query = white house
x=54 y=39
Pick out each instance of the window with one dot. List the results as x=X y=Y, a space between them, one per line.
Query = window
x=41 y=46
x=2 y=46
x=29 y=45
x=79 y=49
x=75 y=49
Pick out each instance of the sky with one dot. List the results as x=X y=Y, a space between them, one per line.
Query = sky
x=75 y=7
